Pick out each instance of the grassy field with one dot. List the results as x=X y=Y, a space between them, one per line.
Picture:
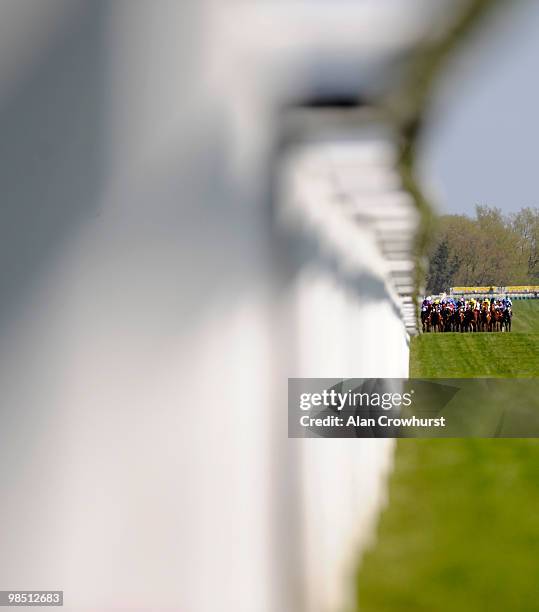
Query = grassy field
x=454 y=355
x=461 y=531
x=526 y=317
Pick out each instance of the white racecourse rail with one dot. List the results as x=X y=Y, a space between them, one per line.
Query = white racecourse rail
x=162 y=287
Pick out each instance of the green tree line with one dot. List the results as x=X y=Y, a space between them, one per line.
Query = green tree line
x=488 y=249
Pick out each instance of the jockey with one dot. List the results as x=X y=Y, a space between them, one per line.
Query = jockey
x=508 y=301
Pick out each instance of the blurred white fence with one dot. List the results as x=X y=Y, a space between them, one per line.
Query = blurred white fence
x=166 y=268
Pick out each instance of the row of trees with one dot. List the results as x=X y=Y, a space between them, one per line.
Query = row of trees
x=488 y=249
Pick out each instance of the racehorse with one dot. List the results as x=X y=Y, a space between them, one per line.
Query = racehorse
x=496 y=317
x=447 y=318
x=475 y=319
x=460 y=319
x=456 y=323
x=506 y=319
x=426 y=312
x=484 y=319
x=436 y=319
x=468 y=321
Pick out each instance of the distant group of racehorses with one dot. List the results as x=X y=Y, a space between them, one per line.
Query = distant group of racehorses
x=444 y=318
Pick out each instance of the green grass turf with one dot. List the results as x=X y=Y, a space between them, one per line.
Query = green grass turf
x=526 y=316
x=461 y=531
x=454 y=355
